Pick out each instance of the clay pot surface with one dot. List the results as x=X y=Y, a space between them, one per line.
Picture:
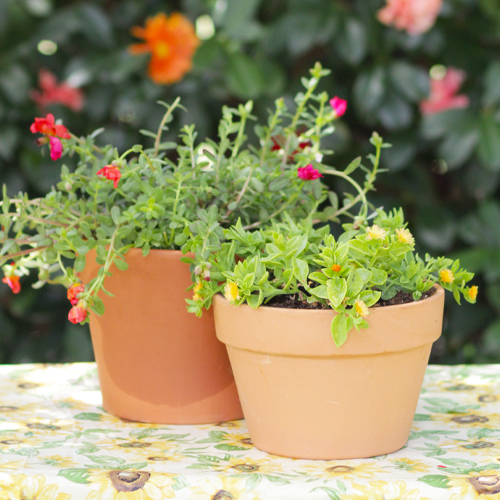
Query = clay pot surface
x=157 y=362
x=303 y=397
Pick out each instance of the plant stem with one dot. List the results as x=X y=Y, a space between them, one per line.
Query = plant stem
x=162 y=124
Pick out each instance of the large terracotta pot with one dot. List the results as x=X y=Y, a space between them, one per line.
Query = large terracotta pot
x=303 y=397
x=157 y=362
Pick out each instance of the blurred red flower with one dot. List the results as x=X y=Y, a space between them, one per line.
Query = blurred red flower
x=51 y=92
x=413 y=16
x=443 y=93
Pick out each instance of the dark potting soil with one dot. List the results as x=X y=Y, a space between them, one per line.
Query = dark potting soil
x=296 y=302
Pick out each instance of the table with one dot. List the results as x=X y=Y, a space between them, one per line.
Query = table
x=57 y=443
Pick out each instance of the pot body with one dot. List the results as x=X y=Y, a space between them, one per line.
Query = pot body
x=303 y=397
x=157 y=362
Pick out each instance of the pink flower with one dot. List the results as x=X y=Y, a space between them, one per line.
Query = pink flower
x=112 y=173
x=338 y=105
x=308 y=173
x=52 y=92
x=414 y=16
x=443 y=93
x=77 y=314
x=55 y=148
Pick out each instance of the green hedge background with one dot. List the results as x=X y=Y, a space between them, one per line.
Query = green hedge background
x=444 y=168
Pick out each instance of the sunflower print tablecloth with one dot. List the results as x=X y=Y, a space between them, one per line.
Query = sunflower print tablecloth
x=57 y=443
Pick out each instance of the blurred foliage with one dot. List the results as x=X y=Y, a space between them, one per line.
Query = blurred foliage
x=444 y=168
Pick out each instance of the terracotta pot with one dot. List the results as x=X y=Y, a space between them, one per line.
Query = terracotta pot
x=157 y=362
x=303 y=397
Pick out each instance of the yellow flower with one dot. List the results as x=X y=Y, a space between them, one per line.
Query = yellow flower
x=58 y=461
x=129 y=485
x=361 y=308
x=466 y=421
x=249 y=466
x=410 y=465
x=404 y=236
x=472 y=292
x=446 y=276
x=198 y=287
x=476 y=486
x=382 y=490
x=222 y=488
x=375 y=233
x=240 y=440
x=196 y=296
x=12 y=464
x=30 y=487
x=482 y=447
x=231 y=291
x=334 y=470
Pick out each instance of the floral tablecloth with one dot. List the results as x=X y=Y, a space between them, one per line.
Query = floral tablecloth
x=57 y=443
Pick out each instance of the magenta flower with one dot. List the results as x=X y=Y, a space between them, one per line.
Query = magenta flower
x=338 y=105
x=55 y=148
x=308 y=173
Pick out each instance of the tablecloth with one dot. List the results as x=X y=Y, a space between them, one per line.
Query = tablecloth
x=57 y=443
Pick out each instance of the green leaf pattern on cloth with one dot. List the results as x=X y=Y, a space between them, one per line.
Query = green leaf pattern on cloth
x=57 y=443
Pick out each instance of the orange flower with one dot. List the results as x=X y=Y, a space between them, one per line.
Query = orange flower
x=13 y=282
x=73 y=292
x=172 y=42
x=336 y=268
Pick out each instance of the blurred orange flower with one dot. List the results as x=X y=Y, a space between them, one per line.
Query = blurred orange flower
x=172 y=42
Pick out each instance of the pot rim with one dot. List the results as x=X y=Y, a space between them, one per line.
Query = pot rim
x=415 y=303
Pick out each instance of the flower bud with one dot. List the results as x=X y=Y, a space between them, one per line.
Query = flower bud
x=115 y=163
x=197 y=270
x=68 y=186
x=206 y=274
x=208 y=265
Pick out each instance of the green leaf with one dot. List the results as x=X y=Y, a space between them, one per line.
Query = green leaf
x=491 y=94
x=79 y=476
x=115 y=214
x=120 y=264
x=458 y=462
x=355 y=284
x=79 y=264
x=107 y=460
x=353 y=166
x=436 y=480
x=254 y=301
x=369 y=89
x=336 y=289
x=410 y=81
x=300 y=270
x=319 y=277
x=229 y=447
x=332 y=494
x=89 y=416
x=489 y=143
x=243 y=75
x=320 y=291
x=340 y=328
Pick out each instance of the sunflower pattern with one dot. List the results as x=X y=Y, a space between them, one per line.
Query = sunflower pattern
x=57 y=443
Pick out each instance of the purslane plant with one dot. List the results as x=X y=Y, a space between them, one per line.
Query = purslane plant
x=367 y=263
x=173 y=196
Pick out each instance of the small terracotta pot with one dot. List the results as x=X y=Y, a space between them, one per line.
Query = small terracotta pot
x=303 y=397
x=157 y=362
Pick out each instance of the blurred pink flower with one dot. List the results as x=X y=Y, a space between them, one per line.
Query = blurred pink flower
x=52 y=92
x=414 y=16
x=56 y=148
x=338 y=105
x=443 y=93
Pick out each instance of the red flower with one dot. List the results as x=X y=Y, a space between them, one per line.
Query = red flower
x=13 y=282
x=73 y=292
x=111 y=173
x=413 y=16
x=338 y=105
x=77 y=314
x=52 y=92
x=47 y=126
x=278 y=143
x=308 y=173
x=443 y=93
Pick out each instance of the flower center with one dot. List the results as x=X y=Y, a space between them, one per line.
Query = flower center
x=469 y=419
x=135 y=445
x=246 y=467
x=128 y=480
x=222 y=495
x=487 y=398
x=485 y=485
x=162 y=49
x=8 y=408
x=339 y=469
x=478 y=445
x=11 y=441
